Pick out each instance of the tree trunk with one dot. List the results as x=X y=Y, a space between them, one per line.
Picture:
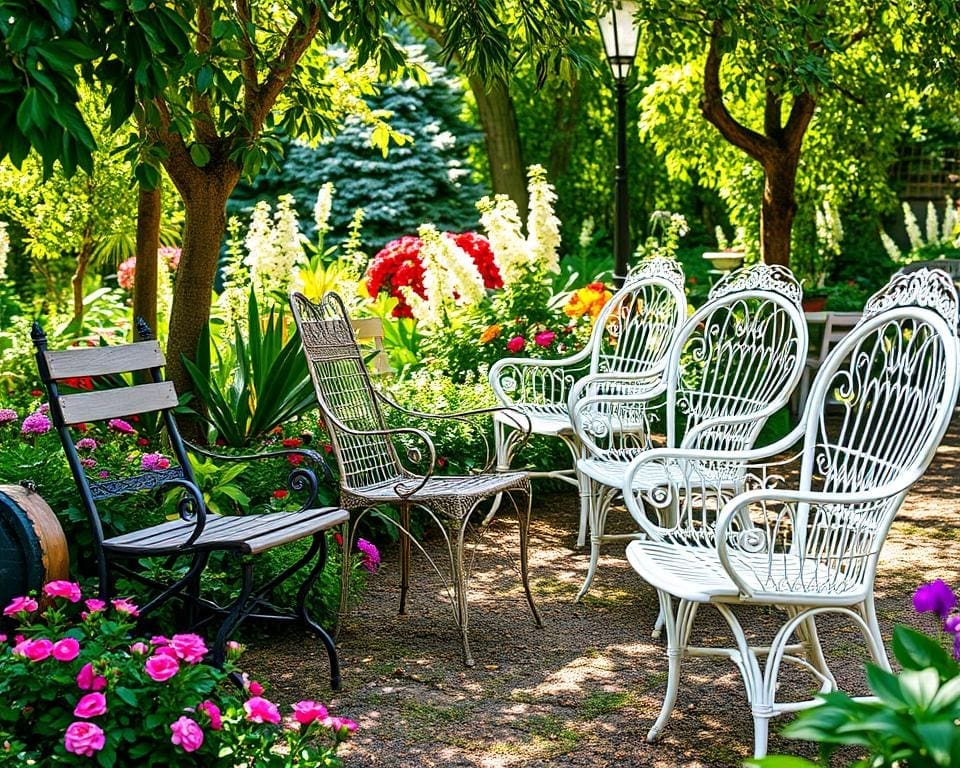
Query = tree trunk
x=502 y=138
x=148 y=242
x=83 y=261
x=778 y=208
x=205 y=192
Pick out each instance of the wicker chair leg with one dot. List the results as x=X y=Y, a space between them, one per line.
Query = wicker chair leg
x=523 y=518
x=458 y=573
x=319 y=546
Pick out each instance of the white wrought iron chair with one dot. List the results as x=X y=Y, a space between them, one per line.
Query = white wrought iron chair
x=629 y=341
x=811 y=548
x=372 y=474
x=733 y=364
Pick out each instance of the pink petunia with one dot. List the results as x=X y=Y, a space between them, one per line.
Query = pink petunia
x=19 y=604
x=125 y=606
x=36 y=650
x=341 y=725
x=140 y=649
x=305 y=712
x=82 y=738
x=91 y=705
x=161 y=667
x=516 y=344
x=66 y=649
x=88 y=680
x=65 y=589
x=186 y=734
x=213 y=712
x=121 y=426
x=544 y=338
x=189 y=647
x=260 y=710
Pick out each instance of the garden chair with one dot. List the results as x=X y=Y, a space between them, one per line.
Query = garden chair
x=812 y=547
x=733 y=364
x=198 y=533
x=837 y=325
x=629 y=341
x=372 y=473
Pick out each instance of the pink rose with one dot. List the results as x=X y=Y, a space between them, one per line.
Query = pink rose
x=213 y=712
x=141 y=649
x=338 y=724
x=125 y=606
x=305 y=712
x=187 y=734
x=259 y=710
x=66 y=650
x=91 y=705
x=94 y=605
x=252 y=686
x=19 y=604
x=161 y=667
x=88 y=680
x=84 y=738
x=544 y=338
x=189 y=647
x=66 y=589
x=159 y=640
x=516 y=344
x=35 y=650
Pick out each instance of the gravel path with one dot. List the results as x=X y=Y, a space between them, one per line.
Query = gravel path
x=584 y=689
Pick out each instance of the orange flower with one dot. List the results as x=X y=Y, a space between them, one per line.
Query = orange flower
x=588 y=301
x=490 y=334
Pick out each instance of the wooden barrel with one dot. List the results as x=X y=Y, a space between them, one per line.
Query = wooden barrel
x=33 y=549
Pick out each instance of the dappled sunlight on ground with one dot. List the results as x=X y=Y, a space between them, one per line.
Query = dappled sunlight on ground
x=584 y=689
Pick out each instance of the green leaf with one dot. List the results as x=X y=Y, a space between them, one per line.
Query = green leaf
x=915 y=650
x=126 y=695
x=938 y=738
x=199 y=154
x=886 y=686
x=919 y=687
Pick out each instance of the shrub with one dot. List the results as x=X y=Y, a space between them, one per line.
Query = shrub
x=912 y=722
x=76 y=687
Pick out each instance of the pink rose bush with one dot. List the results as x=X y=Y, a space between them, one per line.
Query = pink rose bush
x=77 y=689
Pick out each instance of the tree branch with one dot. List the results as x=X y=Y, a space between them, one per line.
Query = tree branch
x=298 y=39
x=804 y=105
x=202 y=118
x=715 y=111
x=772 y=114
x=248 y=64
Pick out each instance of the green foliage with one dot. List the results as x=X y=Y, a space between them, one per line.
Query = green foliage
x=98 y=697
x=260 y=379
x=912 y=722
x=426 y=179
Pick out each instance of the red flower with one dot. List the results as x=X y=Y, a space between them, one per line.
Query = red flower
x=142 y=441
x=295 y=458
x=36 y=392
x=478 y=247
x=79 y=382
x=337 y=537
x=327 y=448
x=281 y=493
x=291 y=442
x=397 y=264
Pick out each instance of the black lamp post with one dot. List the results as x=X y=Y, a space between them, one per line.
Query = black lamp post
x=620 y=38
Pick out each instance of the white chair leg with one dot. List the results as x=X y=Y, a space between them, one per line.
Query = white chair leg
x=583 y=485
x=503 y=447
x=600 y=497
x=869 y=612
x=675 y=625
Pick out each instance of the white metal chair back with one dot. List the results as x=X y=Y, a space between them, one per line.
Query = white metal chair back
x=739 y=358
x=634 y=331
x=345 y=394
x=894 y=378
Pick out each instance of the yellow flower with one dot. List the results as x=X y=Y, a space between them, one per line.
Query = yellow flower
x=589 y=300
x=490 y=334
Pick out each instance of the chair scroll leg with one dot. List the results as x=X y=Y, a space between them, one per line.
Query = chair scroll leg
x=235 y=616
x=318 y=548
x=458 y=572
x=674 y=656
x=523 y=518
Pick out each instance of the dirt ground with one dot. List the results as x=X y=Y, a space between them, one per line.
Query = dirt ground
x=584 y=689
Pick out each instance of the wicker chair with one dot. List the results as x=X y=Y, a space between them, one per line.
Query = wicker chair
x=371 y=471
x=629 y=342
x=733 y=365
x=197 y=532
x=810 y=548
